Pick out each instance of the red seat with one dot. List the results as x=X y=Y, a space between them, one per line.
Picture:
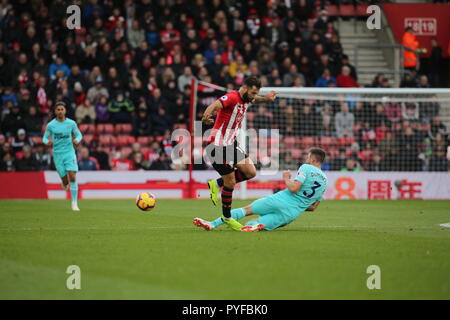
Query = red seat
x=118 y=129
x=123 y=140
x=87 y=138
x=308 y=141
x=109 y=128
x=347 y=10
x=107 y=139
x=143 y=141
x=127 y=128
x=100 y=128
x=105 y=128
x=159 y=138
x=347 y=141
x=361 y=10
x=290 y=141
x=328 y=141
x=296 y=153
x=131 y=139
x=123 y=128
x=87 y=128
x=332 y=10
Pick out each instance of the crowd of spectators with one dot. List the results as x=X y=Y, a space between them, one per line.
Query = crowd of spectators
x=131 y=62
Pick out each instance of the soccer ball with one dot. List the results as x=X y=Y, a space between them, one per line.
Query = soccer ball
x=145 y=201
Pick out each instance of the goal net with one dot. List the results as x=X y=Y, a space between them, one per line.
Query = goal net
x=361 y=129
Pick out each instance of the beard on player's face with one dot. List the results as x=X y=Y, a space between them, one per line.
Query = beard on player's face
x=245 y=97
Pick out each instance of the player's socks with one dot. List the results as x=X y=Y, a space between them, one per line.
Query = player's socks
x=227 y=199
x=74 y=192
x=237 y=214
x=219 y=182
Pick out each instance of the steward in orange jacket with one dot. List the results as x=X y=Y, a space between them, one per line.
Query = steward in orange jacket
x=409 y=40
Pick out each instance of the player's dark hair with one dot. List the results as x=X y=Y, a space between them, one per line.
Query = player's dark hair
x=252 y=81
x=60 y=103
x=318 y=154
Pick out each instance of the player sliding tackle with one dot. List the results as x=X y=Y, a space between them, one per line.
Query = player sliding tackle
x=303 y=193
x=60 y=130
x=228 y=159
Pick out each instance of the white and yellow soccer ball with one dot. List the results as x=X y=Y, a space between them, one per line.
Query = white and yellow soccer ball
x=146 y=201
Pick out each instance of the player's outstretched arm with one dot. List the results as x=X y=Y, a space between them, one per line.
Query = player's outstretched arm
x=293 y=185
x=269 y=97
x=210 y=112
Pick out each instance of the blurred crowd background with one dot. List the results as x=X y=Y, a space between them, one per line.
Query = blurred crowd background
x=125 y=77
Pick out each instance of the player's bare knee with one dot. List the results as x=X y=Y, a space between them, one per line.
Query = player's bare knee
x=229 y=181
x=251 y=173
x=72 y=177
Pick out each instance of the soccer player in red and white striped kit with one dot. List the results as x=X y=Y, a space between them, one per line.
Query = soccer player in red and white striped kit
x=228 y=159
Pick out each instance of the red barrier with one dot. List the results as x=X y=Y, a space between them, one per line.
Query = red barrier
x=427 y=20
x=23 y=185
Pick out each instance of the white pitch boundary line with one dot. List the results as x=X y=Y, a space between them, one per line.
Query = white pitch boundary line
x=191 y=227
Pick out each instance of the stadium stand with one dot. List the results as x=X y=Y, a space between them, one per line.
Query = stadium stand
x=125 y=77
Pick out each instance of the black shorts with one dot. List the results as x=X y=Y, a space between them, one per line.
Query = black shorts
x=225 y=158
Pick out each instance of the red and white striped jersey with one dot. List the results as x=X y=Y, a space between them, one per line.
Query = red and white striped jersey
x=229 y=119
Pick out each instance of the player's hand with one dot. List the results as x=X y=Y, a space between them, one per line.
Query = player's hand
x=49 y=144
x=286 y=175
x=271 y=96
x=313 y=206
x=208 y=120
x=75 y=143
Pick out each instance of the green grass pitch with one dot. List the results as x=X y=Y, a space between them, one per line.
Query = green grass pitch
x=124 y=253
